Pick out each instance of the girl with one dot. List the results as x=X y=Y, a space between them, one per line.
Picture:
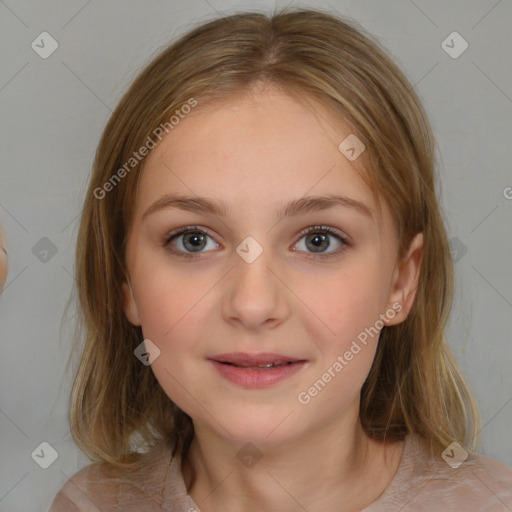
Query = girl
x=265 y=279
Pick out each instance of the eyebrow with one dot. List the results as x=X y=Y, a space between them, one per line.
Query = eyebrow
x=220 y=208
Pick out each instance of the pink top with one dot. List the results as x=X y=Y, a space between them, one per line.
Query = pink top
x=421 y=483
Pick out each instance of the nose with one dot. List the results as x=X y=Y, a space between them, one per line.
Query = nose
x=256 y=296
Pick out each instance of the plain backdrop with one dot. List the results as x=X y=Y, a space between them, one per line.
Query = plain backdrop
x=53 y=111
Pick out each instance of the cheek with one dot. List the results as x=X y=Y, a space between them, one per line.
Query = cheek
x=168 y=299
x=346 y=303
x=173 y=316
x=346 y=339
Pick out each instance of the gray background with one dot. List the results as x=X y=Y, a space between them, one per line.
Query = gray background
x=53 y=111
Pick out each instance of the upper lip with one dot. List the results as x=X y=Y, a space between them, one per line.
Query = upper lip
x=244 y=359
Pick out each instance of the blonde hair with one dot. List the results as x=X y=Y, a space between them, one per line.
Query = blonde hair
x=414 y=385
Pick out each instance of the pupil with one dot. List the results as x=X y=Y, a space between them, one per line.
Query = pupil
x=318 y=239
x=196 y=239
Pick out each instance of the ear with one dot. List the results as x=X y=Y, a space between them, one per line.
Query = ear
x=130 y=307
x=405 y=281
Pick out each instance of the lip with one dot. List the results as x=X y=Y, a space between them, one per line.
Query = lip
x=244 y=359
x=247 y=376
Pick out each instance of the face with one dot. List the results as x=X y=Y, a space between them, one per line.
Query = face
x=3 y=258
x=257 y=276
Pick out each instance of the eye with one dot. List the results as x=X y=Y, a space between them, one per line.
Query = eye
x=189 y=240
x=317 y=240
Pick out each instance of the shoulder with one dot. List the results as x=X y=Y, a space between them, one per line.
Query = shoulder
x=80 y=492
x=98 y=487
x=479 y=481
x=452 y=480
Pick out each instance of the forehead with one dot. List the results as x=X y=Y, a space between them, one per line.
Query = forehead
x=254 y=150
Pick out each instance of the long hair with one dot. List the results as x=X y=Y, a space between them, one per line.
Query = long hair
x=414 y=385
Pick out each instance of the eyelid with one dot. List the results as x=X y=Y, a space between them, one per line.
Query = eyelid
x=343 y=238
x=305 y=231
x=331 y=230
x=185 y=229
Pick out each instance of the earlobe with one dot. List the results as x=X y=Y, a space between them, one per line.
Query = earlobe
x=405 y=280
x=130 y=307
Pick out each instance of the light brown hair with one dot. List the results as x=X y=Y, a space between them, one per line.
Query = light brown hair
x=414 y=384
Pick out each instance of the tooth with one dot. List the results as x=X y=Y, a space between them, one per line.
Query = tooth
x=266 y=365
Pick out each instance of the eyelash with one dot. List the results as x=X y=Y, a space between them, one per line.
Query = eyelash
x=312 y=229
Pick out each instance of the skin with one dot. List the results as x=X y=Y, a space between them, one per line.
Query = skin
x=3 y=258
x=257 y=152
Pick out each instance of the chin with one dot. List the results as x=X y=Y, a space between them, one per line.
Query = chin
x=262 y=430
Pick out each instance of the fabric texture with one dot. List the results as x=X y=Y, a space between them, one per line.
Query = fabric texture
x=422 y=483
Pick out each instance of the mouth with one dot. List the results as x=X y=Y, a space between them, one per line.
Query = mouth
x=255 y=361
x=256 y=370
x=260 y=366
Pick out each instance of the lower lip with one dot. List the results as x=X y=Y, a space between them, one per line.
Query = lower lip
x=257 y=378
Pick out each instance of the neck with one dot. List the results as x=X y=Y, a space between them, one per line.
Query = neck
x=332 y=469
